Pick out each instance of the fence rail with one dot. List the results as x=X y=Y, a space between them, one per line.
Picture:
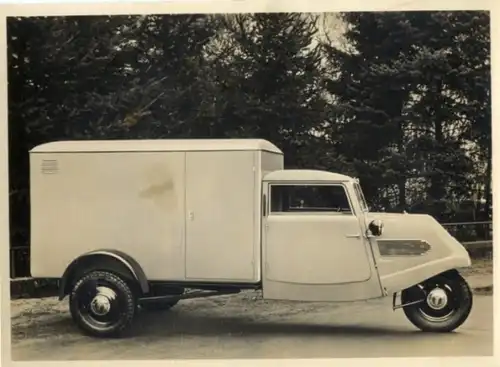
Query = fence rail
x=471 y=231
x=477 y=238
x=466 y=223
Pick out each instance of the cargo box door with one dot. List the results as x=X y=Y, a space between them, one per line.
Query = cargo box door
x=220 y=209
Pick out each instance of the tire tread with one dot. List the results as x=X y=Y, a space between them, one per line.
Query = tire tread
x=125 y=323
x=413 y=315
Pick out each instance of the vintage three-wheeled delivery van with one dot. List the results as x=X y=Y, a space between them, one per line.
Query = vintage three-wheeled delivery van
x=143 y=224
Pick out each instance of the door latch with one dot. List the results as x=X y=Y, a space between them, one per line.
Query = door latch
x=353 y=235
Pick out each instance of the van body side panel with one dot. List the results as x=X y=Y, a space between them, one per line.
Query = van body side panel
x=271 y=162
x=132 y=202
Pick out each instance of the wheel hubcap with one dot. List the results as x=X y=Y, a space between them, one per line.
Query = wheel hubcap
x=437 y=299
x=101 y=303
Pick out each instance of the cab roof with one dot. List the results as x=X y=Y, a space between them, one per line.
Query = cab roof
x=159 y=145
x=306 y=175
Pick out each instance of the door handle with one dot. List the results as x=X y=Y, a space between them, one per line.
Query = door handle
x=353 y=235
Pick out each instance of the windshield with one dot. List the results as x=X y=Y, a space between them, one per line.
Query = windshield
x=361 y=197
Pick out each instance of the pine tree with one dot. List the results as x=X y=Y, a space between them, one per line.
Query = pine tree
x=403 y=103
x=366 y=121
x=271 y=89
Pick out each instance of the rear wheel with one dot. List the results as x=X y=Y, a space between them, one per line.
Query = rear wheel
x=102 y=304
x=446 y=302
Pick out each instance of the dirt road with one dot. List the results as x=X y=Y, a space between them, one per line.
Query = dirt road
x=245 y=326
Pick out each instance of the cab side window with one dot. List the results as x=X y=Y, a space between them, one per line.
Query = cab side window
x=309 y=199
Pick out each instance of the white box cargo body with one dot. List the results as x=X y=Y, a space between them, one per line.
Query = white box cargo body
x=183 y=209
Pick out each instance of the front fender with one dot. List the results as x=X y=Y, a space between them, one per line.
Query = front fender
x=89 y=259
x=413 y=248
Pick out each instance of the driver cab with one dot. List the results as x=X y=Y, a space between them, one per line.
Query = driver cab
x=314 y=237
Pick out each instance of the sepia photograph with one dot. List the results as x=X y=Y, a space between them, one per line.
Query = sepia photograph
x=250 y=185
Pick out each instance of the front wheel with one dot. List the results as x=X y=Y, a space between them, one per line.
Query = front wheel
x=445 y=303
x=102 y=304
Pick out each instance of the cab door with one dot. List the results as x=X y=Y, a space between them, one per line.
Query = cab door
x=314 y=246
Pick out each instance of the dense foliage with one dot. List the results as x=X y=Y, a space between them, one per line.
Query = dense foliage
x=400 y=100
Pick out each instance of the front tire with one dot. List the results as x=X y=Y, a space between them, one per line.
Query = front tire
x=447 y=303
x=102 y=304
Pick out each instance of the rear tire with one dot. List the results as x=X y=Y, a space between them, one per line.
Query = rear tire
x=447 y=303
x=102 y=304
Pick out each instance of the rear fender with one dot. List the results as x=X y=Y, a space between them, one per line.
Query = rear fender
x=111 y=260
